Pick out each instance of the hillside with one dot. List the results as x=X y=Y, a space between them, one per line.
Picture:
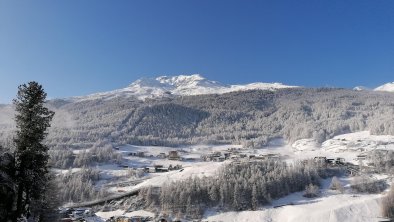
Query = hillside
x=250 y=117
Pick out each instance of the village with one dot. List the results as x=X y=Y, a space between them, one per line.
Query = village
x=158 y=165
x=183 y=156
x=158 y=162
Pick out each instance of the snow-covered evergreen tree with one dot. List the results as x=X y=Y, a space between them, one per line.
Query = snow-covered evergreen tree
x=31 y=154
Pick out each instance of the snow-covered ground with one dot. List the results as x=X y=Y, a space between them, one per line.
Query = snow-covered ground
x=359 y=142
x=330 y=206
x=334 y=208
x=107 y=215
x=190 y=167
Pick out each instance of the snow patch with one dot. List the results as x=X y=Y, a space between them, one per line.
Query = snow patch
x=360 y=141
x=305 y=144
x=335 y=208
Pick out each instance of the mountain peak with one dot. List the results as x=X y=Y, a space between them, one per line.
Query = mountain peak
x=194 y=77
x=361 y=88
x=194 y=84
x=388 y=87
x=187 y=80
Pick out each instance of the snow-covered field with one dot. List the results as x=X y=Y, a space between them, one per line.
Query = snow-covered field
x=330 y=206
x=335 y=208
x=107 y=215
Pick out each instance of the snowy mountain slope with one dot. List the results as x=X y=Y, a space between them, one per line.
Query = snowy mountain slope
x=177 y=85
x=335 y=208
x=388 y=87
x=361 y=141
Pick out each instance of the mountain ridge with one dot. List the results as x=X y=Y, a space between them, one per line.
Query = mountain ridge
x=181 y=85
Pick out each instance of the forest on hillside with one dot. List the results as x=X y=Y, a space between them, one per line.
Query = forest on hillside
x=250 y=118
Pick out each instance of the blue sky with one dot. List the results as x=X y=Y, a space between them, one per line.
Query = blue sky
x=76 y=47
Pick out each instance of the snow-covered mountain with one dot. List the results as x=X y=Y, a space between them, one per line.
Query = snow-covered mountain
x=361 y=88
x=164 y=86
x=388 y=87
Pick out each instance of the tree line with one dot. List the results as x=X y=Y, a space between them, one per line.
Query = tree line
x=251 y=118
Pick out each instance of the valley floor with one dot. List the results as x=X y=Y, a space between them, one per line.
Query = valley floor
x=330 y=206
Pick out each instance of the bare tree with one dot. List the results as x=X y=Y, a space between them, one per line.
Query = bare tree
x=311 y=191
x=336 y=185
x=388 y=204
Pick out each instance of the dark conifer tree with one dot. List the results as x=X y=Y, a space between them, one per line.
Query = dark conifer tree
x=31 y=155
x=7 y=184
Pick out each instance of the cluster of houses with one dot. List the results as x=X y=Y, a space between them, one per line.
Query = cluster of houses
x=332 y=161
x=172 y=155
x=129 y=219
x=142 y=219
x=231 y=153
x=86 y=214
x=75 y=214
x=235 y=154
x=137 y=154
x=160 y=168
